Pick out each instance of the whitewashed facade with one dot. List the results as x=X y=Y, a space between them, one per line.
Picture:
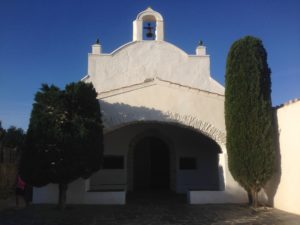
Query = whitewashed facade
x=164 y=123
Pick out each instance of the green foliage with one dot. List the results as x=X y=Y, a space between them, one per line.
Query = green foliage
x=13 y=138
x=11 y=142
x=64 y=138
x=248 y=114
x=2 y=131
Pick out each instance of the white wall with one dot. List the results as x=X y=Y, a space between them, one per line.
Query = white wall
x=77 y=194
x=287 y=196
x=137 y=61
x=157 y=101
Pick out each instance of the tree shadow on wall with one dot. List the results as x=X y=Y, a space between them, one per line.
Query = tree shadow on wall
x=119 y=113
x=272 y=185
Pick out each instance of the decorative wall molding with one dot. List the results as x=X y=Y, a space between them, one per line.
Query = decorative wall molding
x=121 y=119
x=202 y=126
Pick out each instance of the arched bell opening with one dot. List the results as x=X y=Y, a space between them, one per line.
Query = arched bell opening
x=148 y=25
x=149 y=32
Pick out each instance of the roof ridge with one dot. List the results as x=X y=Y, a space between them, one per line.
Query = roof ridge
x=152 y=81
x=189 y=87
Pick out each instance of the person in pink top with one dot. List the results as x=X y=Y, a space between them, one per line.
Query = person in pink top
x=20 y=190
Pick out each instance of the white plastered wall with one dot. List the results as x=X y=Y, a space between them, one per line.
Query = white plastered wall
x=138 y=61
x=287 y=196
x=159 y=101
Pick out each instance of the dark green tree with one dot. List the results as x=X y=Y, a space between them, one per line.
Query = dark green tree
x=64 y=138
x=14 y=138
x=248 y=116
x=2 y=135
x=12 y=141
x=2 y=131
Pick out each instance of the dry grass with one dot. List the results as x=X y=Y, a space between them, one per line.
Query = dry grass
x=8 y=173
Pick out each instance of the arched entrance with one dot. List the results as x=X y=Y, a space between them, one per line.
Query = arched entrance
x=151 y=164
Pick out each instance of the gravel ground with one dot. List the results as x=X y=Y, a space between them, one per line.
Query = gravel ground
x=142 y=212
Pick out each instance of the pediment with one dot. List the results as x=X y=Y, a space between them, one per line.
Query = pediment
x=152 y=82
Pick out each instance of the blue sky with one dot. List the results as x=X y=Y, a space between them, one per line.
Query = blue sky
x=47 y=41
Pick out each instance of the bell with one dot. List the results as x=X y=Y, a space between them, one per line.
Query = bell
x=149 y=29
x=149 y=34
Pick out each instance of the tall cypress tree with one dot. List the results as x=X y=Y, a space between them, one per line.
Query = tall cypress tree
x=248 y=116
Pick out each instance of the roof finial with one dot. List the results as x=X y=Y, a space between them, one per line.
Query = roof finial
x=200 y=43
x=97 y=41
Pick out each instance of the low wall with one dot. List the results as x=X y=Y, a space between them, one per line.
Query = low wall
x=234 y=196
x=216 y=197
x=77 y=194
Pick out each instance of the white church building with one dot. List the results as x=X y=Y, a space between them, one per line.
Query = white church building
x=164 y=125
